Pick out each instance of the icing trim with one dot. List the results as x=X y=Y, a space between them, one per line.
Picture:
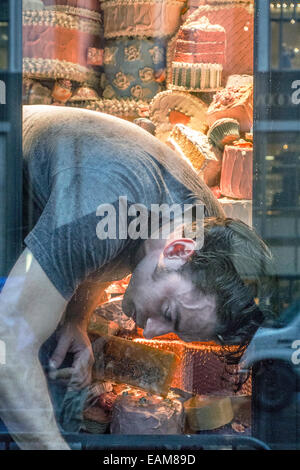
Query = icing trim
x=53 y=18
x=115 y=107
x=82 y=12
x=123 y=18
x=246 y=5
x=56 y=69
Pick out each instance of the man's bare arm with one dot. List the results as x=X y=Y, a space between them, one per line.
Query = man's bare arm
x=30 y=310
x=72 y=334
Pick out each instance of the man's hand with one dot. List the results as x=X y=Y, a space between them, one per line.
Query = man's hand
x=73 y=338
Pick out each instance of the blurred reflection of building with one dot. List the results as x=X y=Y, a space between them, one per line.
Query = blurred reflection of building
x=277 y=125
x=10 y=134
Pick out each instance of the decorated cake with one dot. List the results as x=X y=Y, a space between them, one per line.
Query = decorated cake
x=176 y=107
x=124 y=361
x=200 y=42
x=235 y=103
x=204 y=413
x=56 y=44
x=133 y=68
x=198 y=56
x=137 y=412
x=237 y=169
x=237 y=18
x=224 y=132
x=148 y=18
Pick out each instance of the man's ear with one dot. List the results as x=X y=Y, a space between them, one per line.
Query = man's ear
x=180 y=249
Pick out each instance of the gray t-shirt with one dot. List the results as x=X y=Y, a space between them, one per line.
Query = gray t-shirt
x=76 y=160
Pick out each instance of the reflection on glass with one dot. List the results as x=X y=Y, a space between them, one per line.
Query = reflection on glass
x=3 y=45
x=290 y=55
x=285 y=29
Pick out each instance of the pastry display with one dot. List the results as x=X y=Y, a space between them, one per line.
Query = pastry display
x=130 y=67
x=136 y=412
x=176 y=107
x=125 y=361
x=204 y=413
x=149 y=18
x=235 y=103
x=223 y=132
x=116 y=57
x=237 y=171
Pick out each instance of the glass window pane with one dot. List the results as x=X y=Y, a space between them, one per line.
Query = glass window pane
x=152 y=102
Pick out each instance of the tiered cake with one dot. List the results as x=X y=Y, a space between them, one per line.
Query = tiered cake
x=199 y=56
x=58 y=41
x=237 y=17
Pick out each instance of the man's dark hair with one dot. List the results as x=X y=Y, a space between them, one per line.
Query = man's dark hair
x=237 y=266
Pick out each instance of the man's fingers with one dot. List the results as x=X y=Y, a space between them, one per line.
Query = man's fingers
x=60 y=352
x=63 y=374
x=82 y=367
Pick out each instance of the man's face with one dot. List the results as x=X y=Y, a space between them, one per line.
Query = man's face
x=162 y=300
